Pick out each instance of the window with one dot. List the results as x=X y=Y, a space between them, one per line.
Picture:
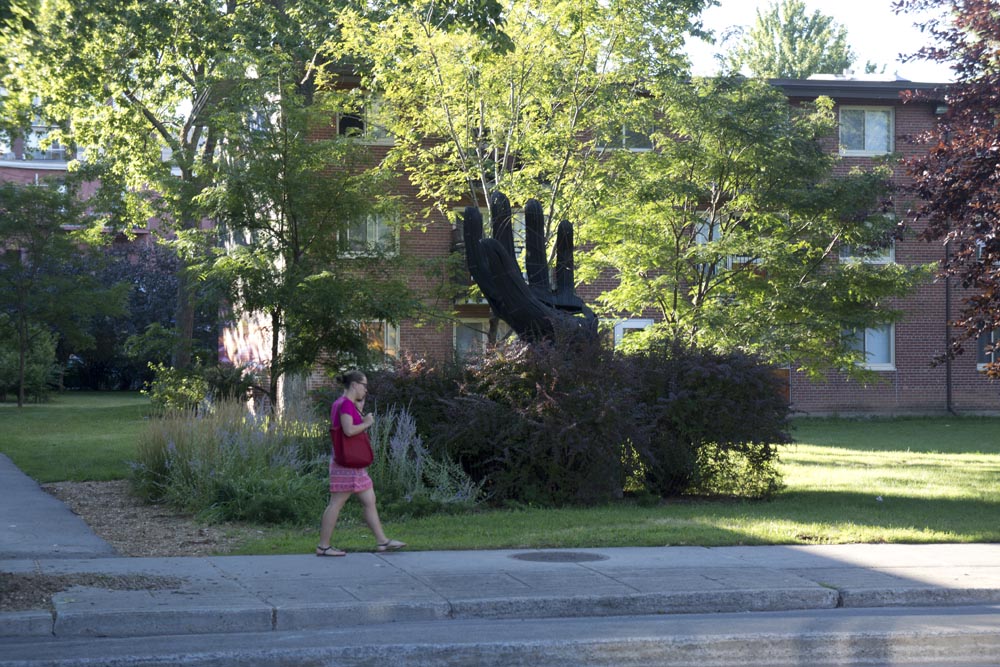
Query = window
x=36 y=138
x=625 y=328
x=471 y=336
x=371 y=233
x=881 y=254
x=866 y=130
x=382 y=337
x=877 y=250
x=987 y=340
x=6 y=150
x=362 y=124
x=637 y=139
x=877 y=344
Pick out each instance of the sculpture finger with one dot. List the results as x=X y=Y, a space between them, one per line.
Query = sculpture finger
x=536 y=261
x=500 y=216
x=564 y=262
x=472 y=232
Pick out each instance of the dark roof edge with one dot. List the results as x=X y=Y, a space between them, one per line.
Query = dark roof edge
x=855 y=89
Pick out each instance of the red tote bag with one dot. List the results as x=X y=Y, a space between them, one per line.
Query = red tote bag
x=353 y=451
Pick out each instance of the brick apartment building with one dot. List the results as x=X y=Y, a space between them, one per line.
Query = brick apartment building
x=873 y=123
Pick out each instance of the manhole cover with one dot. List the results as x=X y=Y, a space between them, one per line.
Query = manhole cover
x=559 y=556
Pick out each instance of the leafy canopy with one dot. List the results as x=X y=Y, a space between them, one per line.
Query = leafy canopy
x=786 y=42
x=529 y=116
x=730 y=229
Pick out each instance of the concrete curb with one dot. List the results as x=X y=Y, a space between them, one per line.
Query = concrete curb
x=967 y=636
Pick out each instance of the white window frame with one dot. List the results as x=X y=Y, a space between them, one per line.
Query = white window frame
x=866 y=151
x=982 y=358
x=373 y=222
x=630 y=324
x=371 y=132
x=388 y=337
x=888 y=256
x=480 y=325
x=862 y=336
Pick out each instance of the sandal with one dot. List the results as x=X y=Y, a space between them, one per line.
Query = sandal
x=329 y=551
x=390 y=545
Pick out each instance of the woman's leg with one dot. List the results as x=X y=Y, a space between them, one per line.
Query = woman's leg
x=370 y=513
x=330 y=516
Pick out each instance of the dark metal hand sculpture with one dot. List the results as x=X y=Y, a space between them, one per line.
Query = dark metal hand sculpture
x=533 y=309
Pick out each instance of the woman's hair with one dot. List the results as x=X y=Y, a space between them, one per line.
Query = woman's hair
x=350 y=376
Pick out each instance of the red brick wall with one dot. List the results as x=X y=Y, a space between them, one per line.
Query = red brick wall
x=916 y=384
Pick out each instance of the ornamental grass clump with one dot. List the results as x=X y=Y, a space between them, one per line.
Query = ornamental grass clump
x=226 y=464
x=223 y=463
x=410 y=481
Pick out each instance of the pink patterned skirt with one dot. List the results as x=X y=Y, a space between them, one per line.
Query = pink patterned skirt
x=353 y=480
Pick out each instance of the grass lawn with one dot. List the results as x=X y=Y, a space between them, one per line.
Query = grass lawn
x=881 y=480
x=75 y=436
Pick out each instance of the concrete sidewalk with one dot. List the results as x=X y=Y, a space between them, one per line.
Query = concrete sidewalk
x=256 y=595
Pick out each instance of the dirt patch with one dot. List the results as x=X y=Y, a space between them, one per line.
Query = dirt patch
x=22 y=592
x=133 y=528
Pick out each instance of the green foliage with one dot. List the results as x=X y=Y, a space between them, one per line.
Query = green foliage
x=46 y=283
x=149 y=94
x=787 y=43
x=127 y=343
x=226 y=464
x=732 y=234
x=530 y=118
x=554 y=425
x=176 y=389
x=185 y=389
x=40 y=363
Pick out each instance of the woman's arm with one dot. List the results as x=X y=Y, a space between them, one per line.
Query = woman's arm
x=350 y=428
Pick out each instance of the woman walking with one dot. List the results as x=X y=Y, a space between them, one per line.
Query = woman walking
x=346 y=420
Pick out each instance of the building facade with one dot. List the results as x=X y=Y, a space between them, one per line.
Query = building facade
x=873 y=123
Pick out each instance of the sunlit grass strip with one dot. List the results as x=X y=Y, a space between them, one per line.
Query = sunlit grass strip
x=937 y=483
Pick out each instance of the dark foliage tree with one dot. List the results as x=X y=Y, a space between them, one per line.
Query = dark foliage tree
x=45 y=287
x=957 y=179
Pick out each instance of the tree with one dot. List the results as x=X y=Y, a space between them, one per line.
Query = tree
x=44 y=288
x=730 y=229
x=785 y=42
x=287 y=202
x=530 y=114
x=957 y=179
x=144 y=90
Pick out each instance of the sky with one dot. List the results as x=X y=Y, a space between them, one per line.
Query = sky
x=874 y=32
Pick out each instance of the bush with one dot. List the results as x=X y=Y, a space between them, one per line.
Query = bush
x=226 y=464
x=715 y=418
x=574 y=423
x=175 y=389
x=409 y=479
x=543 y=424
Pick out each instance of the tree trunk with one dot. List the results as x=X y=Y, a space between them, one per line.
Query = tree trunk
x=183 y=321
x=275 y=370
x=22 y=361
